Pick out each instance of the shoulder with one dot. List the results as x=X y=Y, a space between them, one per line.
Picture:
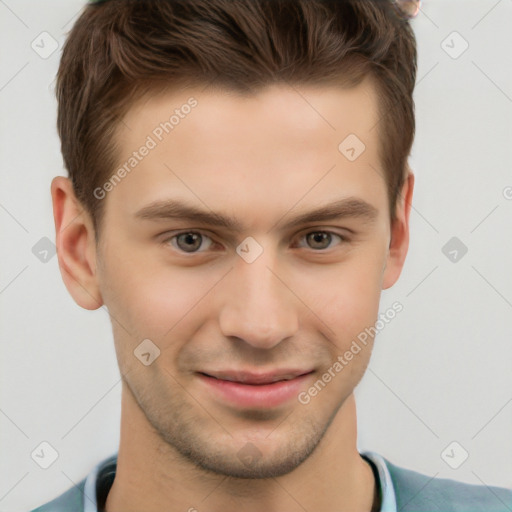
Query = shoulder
x=416 y=492
x=86 y=491
x=71 y=501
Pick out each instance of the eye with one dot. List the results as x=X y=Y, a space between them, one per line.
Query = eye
x=320 y=240
x=189 y=241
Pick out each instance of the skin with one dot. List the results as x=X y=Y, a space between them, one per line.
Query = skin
x=263 y=159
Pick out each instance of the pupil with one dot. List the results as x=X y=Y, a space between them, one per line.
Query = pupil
x=190 y=238
x=319 y=237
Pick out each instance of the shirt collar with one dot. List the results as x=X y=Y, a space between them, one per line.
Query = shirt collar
x=385 y=483
x=90 y=503
x=97 y=481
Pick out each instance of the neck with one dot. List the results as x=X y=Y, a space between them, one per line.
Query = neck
x=152 y=476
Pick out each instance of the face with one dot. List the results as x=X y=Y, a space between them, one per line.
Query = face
x=263 y=290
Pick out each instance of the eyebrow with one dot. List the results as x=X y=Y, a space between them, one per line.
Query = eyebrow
x=350 y=207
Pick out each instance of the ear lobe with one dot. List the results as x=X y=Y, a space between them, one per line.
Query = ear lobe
x=76 y=249
x=399 y=243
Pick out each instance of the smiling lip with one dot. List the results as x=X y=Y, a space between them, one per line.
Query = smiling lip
x=251 y=390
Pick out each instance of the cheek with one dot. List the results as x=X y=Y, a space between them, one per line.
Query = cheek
x=148 y=300
x=348 y=299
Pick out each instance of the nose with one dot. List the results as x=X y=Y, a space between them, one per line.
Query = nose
x=259 y=306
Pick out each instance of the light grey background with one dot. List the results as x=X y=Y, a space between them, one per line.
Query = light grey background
x=441 y=370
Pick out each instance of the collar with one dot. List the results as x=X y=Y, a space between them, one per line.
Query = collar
x=385 y=483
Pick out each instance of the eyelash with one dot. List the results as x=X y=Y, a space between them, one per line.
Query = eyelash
x=167 y=240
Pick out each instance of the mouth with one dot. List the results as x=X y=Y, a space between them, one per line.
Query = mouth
x=255 y=391
x=253 y=378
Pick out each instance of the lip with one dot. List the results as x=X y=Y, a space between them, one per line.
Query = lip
x=248 y=377
x=258 y=395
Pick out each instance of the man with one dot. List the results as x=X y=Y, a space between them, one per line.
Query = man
x=239 y=195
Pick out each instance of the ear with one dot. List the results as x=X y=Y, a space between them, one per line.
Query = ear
x=76 y=247
x=399 y=243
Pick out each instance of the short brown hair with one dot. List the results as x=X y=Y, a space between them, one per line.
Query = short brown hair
x=119 y=51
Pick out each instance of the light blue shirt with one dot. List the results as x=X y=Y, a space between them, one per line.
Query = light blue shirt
x=386 y=485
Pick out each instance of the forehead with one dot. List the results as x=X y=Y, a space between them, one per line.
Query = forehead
x=250 y=150
x=305 y=110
